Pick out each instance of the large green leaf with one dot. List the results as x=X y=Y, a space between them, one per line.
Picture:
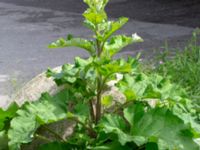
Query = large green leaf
x=6 y=115
x=116 y=124
x=111 y=146
x=142 y=86
x=158 y=125
x=47 y=110
x=59 y=146
x=115 y=44
x=70 y=74
x=77 y=42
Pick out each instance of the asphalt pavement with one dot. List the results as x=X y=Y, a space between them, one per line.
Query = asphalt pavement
x=26 y=31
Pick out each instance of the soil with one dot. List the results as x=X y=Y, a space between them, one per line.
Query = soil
x=179 y=12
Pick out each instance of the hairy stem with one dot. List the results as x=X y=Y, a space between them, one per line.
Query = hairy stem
x=98 y=104
x=42 y=137
x=92 y=113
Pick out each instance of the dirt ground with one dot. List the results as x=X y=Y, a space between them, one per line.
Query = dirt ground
x=179 y=12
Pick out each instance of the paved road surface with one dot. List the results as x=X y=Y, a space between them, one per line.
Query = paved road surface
x=26 y=31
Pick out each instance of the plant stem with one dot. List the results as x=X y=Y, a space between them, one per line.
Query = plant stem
x=92 y=113
x=92 y=133
x=42 y=137
x=98 y=104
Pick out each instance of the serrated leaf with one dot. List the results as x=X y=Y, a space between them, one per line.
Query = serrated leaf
x=96 y=4
x=115 y=124
x=113 y=26
x=115 y=44
x=76 y=42
x=117 y=66
x=135 y=84
x=7 y=114
x=47 y=110
x=160 y=123
x=95 y=17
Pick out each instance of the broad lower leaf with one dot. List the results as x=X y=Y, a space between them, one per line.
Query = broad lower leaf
x=160 y=124
x=3 y=140
x=47 y=110
x=6 y=115
x=59 y=146
x=142 y=86
x=111 y=146
x=113 y=124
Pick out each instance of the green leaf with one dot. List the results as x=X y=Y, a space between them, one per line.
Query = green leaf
x=77 y=42
x=160 y=124
x=151 y=146
x=107 y=100
x=6 y=115
x=111 y=146
x=47 y=110
x=117 y=66
x=22 y=129
x=130 y=95
x=96 y=4
x=3 y=140
x=95 y=14
x=95 y=17
x=59 y=146
x=133 y=84
x=53 y=146
x=115 y=44
x=115 y=124
x=113 y=26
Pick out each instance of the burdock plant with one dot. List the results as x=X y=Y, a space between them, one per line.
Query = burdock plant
x=102 y=121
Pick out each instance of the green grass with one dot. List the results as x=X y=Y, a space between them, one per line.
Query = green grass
x=183 y=67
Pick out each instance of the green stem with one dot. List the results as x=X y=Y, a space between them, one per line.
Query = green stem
x=42 y=137
x=92 y=133
x=92 y=113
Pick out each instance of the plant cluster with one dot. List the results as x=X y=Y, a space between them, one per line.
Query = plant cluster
x=154 y=115
x=184 y=68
